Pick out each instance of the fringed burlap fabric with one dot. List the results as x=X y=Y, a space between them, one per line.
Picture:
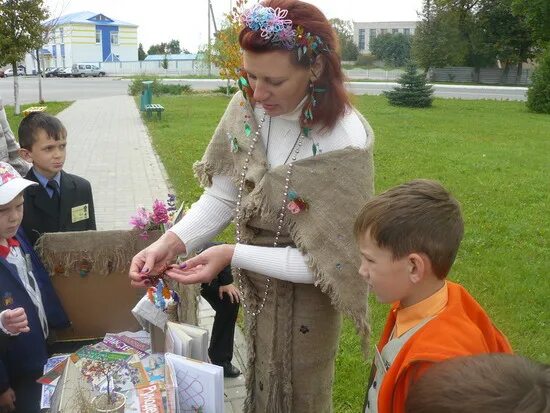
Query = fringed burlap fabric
x=90 y=275
x=293 y=342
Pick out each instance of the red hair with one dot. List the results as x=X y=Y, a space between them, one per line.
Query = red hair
x=332 y=103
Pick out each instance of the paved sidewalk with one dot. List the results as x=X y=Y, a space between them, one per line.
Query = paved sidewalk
x=108 y=144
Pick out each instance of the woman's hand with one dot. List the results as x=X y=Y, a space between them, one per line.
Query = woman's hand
x=7 y=401
x=15 y=321
x=153 y=258
x=231 y=291
x=204 y=267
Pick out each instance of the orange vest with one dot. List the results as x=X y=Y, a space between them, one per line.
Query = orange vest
x=461 y=328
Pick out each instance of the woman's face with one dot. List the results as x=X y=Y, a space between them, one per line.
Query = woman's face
x=278 y=84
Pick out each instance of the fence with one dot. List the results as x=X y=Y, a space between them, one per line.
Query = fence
x=489 y=76
x=374 y=74
x=178 y=67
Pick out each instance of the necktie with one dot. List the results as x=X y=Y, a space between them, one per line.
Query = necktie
x=54 y=186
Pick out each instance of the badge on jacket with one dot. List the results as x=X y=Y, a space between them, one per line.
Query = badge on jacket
x=7 y=299
x=80 y=213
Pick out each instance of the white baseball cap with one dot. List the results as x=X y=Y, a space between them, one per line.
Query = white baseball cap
x=11 y=183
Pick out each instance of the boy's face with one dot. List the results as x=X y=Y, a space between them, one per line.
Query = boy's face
x=46 y=154
x=11 y=215
x=389 y=278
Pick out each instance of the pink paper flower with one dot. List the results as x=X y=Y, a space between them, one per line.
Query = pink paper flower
x=160 y=213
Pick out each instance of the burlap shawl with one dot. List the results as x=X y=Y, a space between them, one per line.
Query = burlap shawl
x=334 y=184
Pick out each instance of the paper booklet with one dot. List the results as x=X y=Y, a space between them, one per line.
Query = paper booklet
x=187 y=340
x=196 y=385
x=146 y=314
x=71 y=391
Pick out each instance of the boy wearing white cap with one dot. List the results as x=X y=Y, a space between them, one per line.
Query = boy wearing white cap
x=24 y=283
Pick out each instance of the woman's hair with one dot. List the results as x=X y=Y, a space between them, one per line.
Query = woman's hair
x=488 y=383
x=333 y=102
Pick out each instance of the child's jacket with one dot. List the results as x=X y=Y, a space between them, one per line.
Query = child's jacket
x=27 y=352
x=461 y=328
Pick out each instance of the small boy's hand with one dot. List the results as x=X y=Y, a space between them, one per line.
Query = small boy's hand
x=7 y=401
x=15 y=321
x=231 y=291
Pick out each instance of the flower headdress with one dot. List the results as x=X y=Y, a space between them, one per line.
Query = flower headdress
x=274 y=26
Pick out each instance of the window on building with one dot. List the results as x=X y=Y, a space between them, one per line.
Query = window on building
x=407 y=32
x=52 y=37
x=62 y=35
x=372 y=33
x=361 y=44
x=98 y=36
x=383 y=31
x=114 y=37
x=393 y=31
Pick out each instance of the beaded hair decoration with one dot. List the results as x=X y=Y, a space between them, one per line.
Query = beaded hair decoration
x=275 y=27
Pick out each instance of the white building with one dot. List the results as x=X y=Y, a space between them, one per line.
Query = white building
x=364 y=31
x=87 y=37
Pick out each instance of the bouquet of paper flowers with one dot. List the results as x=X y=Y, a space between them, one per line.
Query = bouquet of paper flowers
x=161 y=218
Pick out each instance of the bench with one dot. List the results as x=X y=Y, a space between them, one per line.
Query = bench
x=32 y=109
x=149 y=109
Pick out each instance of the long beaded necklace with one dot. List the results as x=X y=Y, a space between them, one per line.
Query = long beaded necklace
x=238 y=210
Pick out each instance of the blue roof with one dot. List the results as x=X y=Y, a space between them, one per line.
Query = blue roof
x=182 y=56
x=88 y=17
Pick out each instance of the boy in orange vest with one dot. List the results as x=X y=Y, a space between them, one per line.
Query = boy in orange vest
x=408 y=239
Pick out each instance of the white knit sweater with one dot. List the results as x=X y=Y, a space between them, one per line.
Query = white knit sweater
x=214 y=209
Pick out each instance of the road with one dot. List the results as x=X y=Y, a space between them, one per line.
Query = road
x=58 y=89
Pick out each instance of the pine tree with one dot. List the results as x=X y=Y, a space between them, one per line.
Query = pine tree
x=414 y=92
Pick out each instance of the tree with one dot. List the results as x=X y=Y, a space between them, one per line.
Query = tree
x=21 y=31
x=394 y=49
x=141 y=53
x=225 y=52
x=414 y=92
x=537 y=17
x=538 y=95
x=172 y=47
x=344 y=31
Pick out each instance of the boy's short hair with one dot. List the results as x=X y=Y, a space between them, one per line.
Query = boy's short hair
x=488 y=383
x=419 y=216
x=39 y=120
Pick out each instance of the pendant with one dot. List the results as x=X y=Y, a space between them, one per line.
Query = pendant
x=233 y=144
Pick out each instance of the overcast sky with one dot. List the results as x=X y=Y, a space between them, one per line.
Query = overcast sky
x=187 y=20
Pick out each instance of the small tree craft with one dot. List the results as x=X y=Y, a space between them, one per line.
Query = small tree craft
x=414 y=91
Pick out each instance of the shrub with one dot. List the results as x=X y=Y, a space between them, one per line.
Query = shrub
x=538 y=95
x=414 y=92
x=159 y=88
x=223 y=89
x=365 y=60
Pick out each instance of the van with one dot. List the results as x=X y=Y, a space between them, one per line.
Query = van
x=85 y=69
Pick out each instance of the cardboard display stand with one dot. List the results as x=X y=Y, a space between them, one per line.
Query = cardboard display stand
x=90 y=275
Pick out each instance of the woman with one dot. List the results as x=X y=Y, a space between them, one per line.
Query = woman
x=291 y=163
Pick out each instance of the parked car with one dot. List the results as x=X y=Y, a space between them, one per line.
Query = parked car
x=52 y=71
x=20 y=71
x=65 y=72
x=2 y=73
x=84 y=69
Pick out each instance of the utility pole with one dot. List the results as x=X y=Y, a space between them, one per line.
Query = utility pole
x=209 y=48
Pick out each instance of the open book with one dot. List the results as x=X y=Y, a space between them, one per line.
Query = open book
x=195 y=385
x=187 y=340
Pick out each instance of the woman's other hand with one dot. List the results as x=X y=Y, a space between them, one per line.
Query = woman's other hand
x=204 y=267
x=153 y=258
x=231 y=291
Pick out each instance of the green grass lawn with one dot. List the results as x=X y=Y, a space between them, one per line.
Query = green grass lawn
x=14 y=120
x=493 y=156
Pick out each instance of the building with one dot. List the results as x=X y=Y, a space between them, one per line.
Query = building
x=182 y=57
x=364 y=31
x=87 y=37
